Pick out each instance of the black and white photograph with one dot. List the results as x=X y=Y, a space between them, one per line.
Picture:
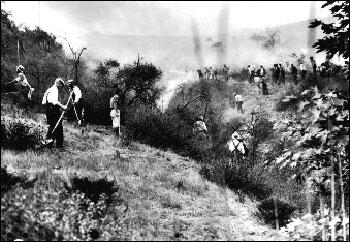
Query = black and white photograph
x=175 y=120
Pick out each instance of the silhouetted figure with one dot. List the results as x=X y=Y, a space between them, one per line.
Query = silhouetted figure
x=314 y=66
x=282 y=75
x=200 y=74
x=264 y=87
x=294 y=73
x=215 y=74
x=276 y=74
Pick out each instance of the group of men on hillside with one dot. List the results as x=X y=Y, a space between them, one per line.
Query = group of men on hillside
x=279 y=74
x=258 y=77
x=53 y=106
x=212 y=73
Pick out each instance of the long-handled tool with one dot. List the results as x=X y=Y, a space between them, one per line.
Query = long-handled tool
x=50 y=141
x=76 y=115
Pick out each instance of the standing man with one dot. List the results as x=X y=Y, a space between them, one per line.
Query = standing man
x=239 y=102
x=216 y=73
x=261 y=72
x=78 y=102
x=115 y=114
x=226 y=69
x=53 y=106
x=252 y=74
x=211 y=71
x=257 y=81
x=200 y=74
x=302 y=69
x=294 y=72
x=313 y=64
x=249 y=73
x=282 y=75
x=264 y=87
x=207 y=73
x=233 y=100
x=276 y=74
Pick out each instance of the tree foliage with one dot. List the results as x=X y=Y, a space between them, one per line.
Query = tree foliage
x=317 y=133
x=336 y=39
x=135 y=83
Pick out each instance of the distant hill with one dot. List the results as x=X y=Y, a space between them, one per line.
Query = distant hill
x=171 y=52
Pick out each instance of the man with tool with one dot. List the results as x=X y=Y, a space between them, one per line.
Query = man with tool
x=53 y=114
x=26 y=88
x=78 y=102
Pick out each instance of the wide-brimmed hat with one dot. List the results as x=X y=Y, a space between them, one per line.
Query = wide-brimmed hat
x=20 y=68
x=59 y=81
x=235 y=135
x=70 y=82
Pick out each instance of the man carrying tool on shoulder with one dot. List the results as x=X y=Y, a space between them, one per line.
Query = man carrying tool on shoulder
x=26 y=88
x=53 y=114
x=78 y=102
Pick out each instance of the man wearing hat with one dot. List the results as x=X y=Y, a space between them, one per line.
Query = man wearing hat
x=53 y=106
x=199 y=125
x=78 y=101
x=21 y=79
x=235 y=144
x=115 y=113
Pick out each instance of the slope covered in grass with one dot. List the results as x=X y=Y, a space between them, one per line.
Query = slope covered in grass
x=164 y=195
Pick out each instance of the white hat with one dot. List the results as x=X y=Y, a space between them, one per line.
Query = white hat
x=20 y=68
x=69 y=82
x=59 y=81
x=235 y=135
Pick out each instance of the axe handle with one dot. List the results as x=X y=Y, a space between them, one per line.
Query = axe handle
x=70 y=96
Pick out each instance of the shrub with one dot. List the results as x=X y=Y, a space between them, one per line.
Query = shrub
x=36 y=214
x=19 y=134
x=93 y=189
x=267 y=214
x=8 y=181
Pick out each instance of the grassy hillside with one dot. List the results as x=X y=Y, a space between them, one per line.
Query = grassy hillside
x=165 y=197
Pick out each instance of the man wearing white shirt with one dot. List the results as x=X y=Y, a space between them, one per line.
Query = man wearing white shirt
x=303 y=71
x=239 y=102
x=50 y=100
x=115 y=114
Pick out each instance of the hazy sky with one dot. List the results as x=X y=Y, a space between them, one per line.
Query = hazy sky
x=76 y=19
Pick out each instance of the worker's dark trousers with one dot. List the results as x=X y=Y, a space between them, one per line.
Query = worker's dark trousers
x=303 y=74
x=239 y=106
x=80 y=109
x=52 y=116
x=295 y=79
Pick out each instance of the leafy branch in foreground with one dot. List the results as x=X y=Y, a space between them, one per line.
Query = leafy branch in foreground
x=319 y=149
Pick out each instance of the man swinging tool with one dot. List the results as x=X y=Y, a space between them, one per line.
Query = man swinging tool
x=78 y=102
x=53 y=114
x=26 y=88
x=237 y=148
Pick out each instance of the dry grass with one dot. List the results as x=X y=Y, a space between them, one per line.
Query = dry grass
x=167 y=198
